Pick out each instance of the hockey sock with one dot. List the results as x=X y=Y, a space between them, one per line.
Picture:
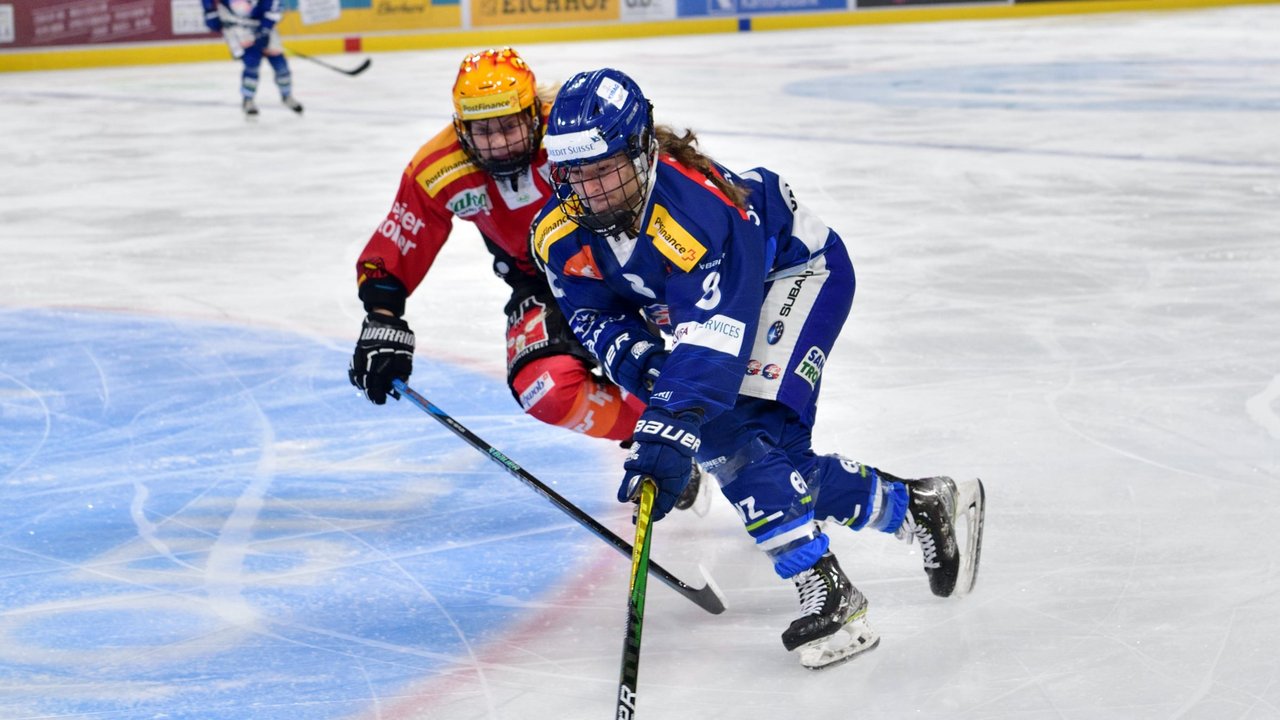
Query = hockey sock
x=284 y=79
x=249 y=78
x=855 y=495
x=806 y=545
x=891 y=508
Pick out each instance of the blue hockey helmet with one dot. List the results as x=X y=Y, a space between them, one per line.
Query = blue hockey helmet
x=601 y=145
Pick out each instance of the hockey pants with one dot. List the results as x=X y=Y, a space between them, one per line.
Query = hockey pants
x=761 y=454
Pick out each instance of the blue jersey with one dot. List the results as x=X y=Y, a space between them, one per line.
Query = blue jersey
x=698 y=271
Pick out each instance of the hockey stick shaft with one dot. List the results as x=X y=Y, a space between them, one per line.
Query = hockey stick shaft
x=630 y=676
x=352 y=72
x=705 y=597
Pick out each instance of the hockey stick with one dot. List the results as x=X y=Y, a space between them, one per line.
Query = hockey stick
x=706 y=597
x=352 y=72
x=630 y=675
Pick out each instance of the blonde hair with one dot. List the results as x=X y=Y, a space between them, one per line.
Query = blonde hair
x=684 y=148
x=547 y=93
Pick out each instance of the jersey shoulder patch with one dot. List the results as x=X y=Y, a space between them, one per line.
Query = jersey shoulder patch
x=552 y=227
x=672 y=240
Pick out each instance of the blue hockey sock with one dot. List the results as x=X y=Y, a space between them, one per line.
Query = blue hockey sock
x=249 y=82
x=855 y=495
x=805 y=546
x=284 y=79
x=894 y=498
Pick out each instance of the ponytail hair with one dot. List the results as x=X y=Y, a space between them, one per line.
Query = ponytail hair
x=684 y=148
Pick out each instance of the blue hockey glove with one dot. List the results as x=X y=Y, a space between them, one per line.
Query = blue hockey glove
x=635 y=364
x=664 y=448
x=383 y=353
x=212 y=21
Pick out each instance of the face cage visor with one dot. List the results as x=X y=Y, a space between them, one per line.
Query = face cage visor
x=503 y=145
x=605 y=196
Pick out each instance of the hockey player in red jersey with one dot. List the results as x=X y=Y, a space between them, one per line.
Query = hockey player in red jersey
x=487 y=168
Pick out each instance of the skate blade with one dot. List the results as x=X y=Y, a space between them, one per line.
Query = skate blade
x=845 y=644
x=971 y=509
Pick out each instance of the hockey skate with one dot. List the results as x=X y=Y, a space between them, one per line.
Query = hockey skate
x=832 y=627
x=250 y=108
x=696 y=497
x=946 y=517
x=292 y=103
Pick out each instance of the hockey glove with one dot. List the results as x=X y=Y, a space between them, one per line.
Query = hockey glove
x=664 y=448
x=212 y=21
x=636 y=365
x=383 y=353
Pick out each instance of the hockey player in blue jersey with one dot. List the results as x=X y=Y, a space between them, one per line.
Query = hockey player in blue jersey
x=249 y=27
x=751 y=289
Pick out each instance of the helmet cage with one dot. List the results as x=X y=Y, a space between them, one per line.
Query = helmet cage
x=616 y=199
x=493 y=159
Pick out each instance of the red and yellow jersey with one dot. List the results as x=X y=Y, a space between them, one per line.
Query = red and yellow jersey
x=441 y=183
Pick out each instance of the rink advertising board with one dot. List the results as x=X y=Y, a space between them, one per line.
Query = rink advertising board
x=905 y=3
x=48 y=23
x=70 y=23
x=485 y=13
x=705 y=8
x=640 y=10
x=56 y=34
x=360 y=16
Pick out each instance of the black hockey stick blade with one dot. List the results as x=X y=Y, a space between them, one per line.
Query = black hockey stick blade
x=629 y=677
x=352 y=72
x=707 y=597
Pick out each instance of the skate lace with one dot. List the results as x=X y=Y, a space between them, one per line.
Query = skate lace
x=910 y=528
x=813 y=592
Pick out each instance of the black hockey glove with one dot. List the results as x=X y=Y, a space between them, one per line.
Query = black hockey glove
x=664 y=447
x=383 y=353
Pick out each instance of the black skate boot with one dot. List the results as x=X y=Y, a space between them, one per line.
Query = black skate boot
x=250 y=107
x=292 y=103
x=937 y=505
x=832 y=626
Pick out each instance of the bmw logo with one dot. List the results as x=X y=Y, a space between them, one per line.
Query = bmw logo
x=775 y=333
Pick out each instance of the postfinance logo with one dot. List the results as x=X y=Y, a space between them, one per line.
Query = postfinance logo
x=489 y=106
x=673 y=241
x=444 y=171
x=553 y=227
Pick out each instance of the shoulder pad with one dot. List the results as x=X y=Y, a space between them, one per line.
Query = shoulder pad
x=672 y=240
x=436 y=175
x=553 y=226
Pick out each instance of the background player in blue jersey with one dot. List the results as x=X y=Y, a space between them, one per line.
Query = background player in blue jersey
x=249 y=27
x=751 y=289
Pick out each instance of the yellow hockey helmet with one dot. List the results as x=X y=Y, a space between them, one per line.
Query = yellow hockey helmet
x=493 y=84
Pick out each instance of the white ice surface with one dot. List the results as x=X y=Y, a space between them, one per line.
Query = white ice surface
x=1067 y=238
